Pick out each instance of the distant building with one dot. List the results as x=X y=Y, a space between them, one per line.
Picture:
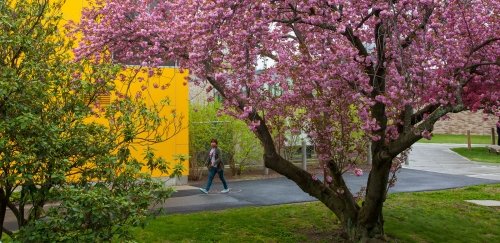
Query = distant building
x=477 y=122
x=171 y=83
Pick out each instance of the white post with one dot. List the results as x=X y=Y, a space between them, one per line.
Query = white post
x=493 y=140
x=369 y=154
x=304 y=155
x=469 y=142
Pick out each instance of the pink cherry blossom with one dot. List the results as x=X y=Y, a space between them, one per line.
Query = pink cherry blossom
x=346 y=73
x=358 y=172
x=427 y=135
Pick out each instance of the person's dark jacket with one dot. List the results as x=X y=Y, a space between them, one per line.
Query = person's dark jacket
x=218 y=159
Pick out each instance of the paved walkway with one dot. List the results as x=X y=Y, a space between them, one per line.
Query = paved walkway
x=282 y=191
x=432 y=167
x=439 y=158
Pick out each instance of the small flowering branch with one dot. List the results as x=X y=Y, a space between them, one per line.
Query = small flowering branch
x=397 y=164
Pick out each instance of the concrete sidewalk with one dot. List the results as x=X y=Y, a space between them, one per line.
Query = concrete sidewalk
x=439 y=158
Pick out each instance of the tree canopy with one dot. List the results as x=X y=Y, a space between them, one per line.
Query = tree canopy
x=385 y=69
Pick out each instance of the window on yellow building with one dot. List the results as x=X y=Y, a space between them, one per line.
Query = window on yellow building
x=104 y=99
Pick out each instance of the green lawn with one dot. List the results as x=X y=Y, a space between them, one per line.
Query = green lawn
x=439 y=216
x=444 y=216
x=479 y=154
x=460 y=139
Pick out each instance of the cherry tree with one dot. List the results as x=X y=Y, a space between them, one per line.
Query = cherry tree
x=343 y=72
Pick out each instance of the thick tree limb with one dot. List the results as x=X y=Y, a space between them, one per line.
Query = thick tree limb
x=268 y=54
x=16 y=212
x=405 y=140
x=419 y=115
x=274 y=161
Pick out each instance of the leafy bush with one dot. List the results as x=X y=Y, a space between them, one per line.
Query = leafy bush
x=239 y=145
x=59 y=144
x=92 y=214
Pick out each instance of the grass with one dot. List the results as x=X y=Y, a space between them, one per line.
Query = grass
x=460 y=139
x=480 y=154
x=284 y=223
x=444 y=216
x=439 y=216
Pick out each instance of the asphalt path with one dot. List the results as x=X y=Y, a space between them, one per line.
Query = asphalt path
x=283 y=191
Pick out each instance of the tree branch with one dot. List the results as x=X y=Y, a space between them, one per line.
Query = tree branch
x=409 y=39
x=405 y=140
x=41 y=12
x=372 y=13
x=474 y=66
x=268 y=54
x=277 y=163
x=16 y=212
x=349 y=33
x=419 y=115
x=485 y=43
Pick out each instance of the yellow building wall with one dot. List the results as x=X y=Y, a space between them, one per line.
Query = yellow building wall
x=177 y=92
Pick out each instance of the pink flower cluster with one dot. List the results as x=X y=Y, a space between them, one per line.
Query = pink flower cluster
x=358 y=172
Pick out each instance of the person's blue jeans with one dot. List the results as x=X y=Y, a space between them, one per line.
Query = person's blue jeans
x=211 y=174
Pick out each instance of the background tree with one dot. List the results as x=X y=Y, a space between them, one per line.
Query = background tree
x=239 y=145
x=402 y=65
x=57 y=143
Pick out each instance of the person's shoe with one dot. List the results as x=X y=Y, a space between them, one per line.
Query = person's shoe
x=225 y=191
x=203 y=190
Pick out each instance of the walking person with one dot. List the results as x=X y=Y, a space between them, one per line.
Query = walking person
x=215 y=166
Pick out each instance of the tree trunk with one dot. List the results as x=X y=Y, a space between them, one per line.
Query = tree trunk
x=370 y=225
x=3 y=209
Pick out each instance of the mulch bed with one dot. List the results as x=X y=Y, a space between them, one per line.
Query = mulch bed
x=258 y=174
